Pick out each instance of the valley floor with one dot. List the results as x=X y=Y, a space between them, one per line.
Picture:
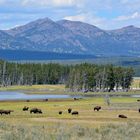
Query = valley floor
x=89 y=124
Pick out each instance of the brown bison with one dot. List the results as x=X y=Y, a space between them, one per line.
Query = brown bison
x=60 y=112
x=36 y=110
x=46 y=100
x=139 y=110
x=76 y=99
x=122 y=116
x=69 y=110
x=138 y=100
x=75 y=113
x=25 y=108
x=97 y=108
x=7 y=112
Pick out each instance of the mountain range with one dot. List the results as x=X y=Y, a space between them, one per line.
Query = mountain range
x=71 y=37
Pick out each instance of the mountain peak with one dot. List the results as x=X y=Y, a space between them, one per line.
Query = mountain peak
x=70 y=22
x=80 y=28
x=43 y=20
x=67 y=36
x=129 y=27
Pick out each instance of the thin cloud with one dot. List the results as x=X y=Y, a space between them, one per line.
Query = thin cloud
x=88 y=18
x=106 y=14
x=53 y=3
x=129 y=17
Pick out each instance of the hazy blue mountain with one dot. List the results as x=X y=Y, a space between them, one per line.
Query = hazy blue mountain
x=72 y=37
x=9 y=42
x=128 y=38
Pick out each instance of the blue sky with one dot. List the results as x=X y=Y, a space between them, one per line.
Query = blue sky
x=106 y=14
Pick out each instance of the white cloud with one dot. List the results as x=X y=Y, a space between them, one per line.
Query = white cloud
x=87 y=18
x=106 y=14
x=129 y=17
x=2 y=1
x=55 y=3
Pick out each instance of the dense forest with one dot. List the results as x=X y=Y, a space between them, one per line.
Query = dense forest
x=80 y=77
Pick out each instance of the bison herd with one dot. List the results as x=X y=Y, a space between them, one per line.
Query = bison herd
x=33 y=110
x=69 y=110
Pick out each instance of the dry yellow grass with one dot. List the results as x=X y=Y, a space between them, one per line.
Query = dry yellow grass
x=89 y=124
x=87 y=116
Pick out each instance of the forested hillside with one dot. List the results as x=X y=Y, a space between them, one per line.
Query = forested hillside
x=80 y=77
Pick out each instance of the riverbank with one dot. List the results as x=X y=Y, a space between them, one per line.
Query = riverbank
x=60 y=90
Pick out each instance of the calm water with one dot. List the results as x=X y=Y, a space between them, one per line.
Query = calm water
x=9 y=95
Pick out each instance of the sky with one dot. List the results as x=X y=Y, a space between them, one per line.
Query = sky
x=105 y=14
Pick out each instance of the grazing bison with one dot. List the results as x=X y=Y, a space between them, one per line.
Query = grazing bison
x=122 y=116
x=69 y=110
x=27 y=100
x=138 y=100
x=25 y=108
x=75 y=113
x=97 y=108
x=46 y=100
x=60 y=112
x=36 y=110
x=7 y=112
x=139 y=110
x=76 y=99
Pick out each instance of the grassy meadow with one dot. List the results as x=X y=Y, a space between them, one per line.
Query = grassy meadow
x=88 y=124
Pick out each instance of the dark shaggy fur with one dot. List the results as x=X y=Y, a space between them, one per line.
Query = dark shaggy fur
x=25 y=108
x=122 y=116
x=75 y=113
x=36 y=110
x=97 y=108
x=69 y=110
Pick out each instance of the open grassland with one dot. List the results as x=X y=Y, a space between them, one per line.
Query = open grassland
x=34 y=87
x=89 y=124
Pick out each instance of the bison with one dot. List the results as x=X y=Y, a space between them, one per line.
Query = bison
x=69 y=110
x=7 y=112
x=122 y=116
x=97 y=108
x=76 y=99
x=25 y=108
x=139 y=110
x=138 y=100
x=36 y=110
x=60 y=112
x=75 y=113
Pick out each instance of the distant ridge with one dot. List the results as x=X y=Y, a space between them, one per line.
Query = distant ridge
x=71 y=37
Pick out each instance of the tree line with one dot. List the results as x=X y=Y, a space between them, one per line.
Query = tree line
x=89 y=77
x=80 y=77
